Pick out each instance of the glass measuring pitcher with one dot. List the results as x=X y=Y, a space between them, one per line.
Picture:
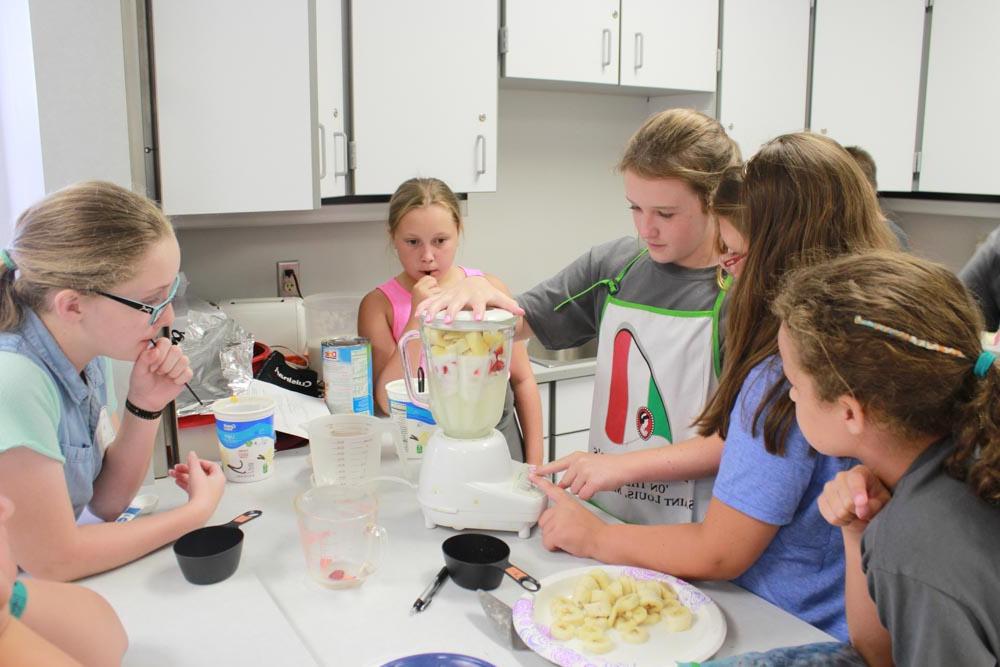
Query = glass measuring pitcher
x=341 y=540
x=467 y=364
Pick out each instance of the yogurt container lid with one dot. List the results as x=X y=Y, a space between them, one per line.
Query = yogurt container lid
x=493 y=319
x=243 y=408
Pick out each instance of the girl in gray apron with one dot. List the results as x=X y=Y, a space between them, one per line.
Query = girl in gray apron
x=656 y=368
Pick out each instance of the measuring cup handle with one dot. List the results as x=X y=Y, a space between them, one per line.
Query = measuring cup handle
x=378 y=545
x=524 y=580
x=243 y=518
x=407 y=376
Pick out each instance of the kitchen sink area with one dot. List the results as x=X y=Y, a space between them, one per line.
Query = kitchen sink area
x=555 y=358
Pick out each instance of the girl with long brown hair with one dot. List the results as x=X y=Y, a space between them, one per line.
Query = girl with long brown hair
x=89 y=275
x=802 y=194
x=882 y=352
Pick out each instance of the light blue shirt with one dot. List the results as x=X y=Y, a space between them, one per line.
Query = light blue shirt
x=802 y=570
x=47 y=406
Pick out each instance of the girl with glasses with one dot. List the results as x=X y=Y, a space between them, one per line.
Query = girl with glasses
x=88 y=277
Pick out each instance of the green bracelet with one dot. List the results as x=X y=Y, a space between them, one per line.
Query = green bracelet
x=18 y=599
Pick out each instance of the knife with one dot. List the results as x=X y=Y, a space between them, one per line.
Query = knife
x=502 y=617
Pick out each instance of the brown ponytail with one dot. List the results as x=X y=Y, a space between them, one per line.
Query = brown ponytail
x=907 y=388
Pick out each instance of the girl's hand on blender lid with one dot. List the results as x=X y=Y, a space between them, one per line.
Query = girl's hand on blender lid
x=475 y=292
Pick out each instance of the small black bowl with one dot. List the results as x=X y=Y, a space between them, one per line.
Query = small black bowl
x=479 y=561
x=211 y=554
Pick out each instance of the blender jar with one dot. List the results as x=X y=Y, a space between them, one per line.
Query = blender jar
x=467 y=364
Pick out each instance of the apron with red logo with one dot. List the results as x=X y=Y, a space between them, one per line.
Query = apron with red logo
x=656 y=369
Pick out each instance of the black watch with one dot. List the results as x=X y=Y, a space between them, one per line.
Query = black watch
x=140 y=413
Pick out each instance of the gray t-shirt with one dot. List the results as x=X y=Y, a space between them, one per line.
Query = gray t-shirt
x=647 y=282
x=982 y=276
x=931 y=561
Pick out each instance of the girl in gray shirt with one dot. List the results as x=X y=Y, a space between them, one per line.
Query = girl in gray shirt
x=883 y=356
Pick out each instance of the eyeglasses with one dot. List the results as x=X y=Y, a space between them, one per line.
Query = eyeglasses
x=153 y=311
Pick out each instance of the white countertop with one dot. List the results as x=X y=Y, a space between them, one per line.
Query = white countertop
x=270 y=613
x=564 y=371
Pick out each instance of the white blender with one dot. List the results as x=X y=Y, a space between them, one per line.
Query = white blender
x=467 y=478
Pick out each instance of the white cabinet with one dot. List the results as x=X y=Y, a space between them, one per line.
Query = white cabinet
x=330 y=100
x=64 y=101
x=574 y=400
x=961 y=139
x=424 y=93
x=562 y=40
x=866 y=78
x=669 y=44
x=235 y=107
x=544 y=389
x=662 y=44
x=572 y=442
x=765 y=57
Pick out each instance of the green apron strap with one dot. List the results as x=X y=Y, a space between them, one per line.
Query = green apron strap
x=727 y=282
x=613 y=284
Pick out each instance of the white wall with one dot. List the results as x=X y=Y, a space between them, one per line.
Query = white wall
x=21 y=179
x=557 y=195
x=945 y=232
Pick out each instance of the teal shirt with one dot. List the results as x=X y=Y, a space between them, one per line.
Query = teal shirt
x=50 y=408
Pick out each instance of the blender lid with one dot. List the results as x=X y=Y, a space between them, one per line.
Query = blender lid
x=494 y=318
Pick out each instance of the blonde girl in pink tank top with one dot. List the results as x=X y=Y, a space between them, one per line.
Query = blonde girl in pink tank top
x=424 y=226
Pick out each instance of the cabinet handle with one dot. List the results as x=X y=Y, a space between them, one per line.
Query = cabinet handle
x=605 y=48
x=481 y=140
x=322 y=151
x=640 y=56
x=337 y=172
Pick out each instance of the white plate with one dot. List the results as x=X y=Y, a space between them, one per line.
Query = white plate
x=532 y=618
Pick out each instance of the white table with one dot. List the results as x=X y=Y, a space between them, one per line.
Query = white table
x=270 y=613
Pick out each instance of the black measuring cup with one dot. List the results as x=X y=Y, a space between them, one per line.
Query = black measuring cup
x=477 y=561
x=211 y=554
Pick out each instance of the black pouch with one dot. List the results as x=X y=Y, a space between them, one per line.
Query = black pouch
x=276 y=370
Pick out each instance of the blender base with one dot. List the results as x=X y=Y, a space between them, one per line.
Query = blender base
x=473 y=483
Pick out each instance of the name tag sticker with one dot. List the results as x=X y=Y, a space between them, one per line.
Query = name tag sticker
x=106 y=431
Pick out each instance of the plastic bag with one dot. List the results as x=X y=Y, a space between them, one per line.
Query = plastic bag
x=220 y=352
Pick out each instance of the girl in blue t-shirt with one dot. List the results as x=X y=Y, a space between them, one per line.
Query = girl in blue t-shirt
x=89 y=274
x=802 y=195
x=883 y=355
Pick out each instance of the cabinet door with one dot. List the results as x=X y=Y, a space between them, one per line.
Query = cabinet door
x=330 y=98
x=866 y=79
x=543 y=394
x=961 y=139
x=424 y=93
x=235 y=105
x=765 y=57
x=574 y=401
x=669 y=43
x=562 y=40
x=567 y=444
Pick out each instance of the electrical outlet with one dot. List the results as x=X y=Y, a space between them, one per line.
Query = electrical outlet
x=288 y=278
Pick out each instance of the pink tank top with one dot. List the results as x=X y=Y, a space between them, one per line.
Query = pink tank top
x=402 y=301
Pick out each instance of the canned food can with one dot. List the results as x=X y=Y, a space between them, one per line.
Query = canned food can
x=347 y=375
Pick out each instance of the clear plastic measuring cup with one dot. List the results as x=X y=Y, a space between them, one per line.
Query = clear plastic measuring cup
x=347 y=449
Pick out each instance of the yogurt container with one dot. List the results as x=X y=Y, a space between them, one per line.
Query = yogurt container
x=244 y=427
x=415 y=423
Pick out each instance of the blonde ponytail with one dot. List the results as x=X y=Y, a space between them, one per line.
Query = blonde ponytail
x=89 y=236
